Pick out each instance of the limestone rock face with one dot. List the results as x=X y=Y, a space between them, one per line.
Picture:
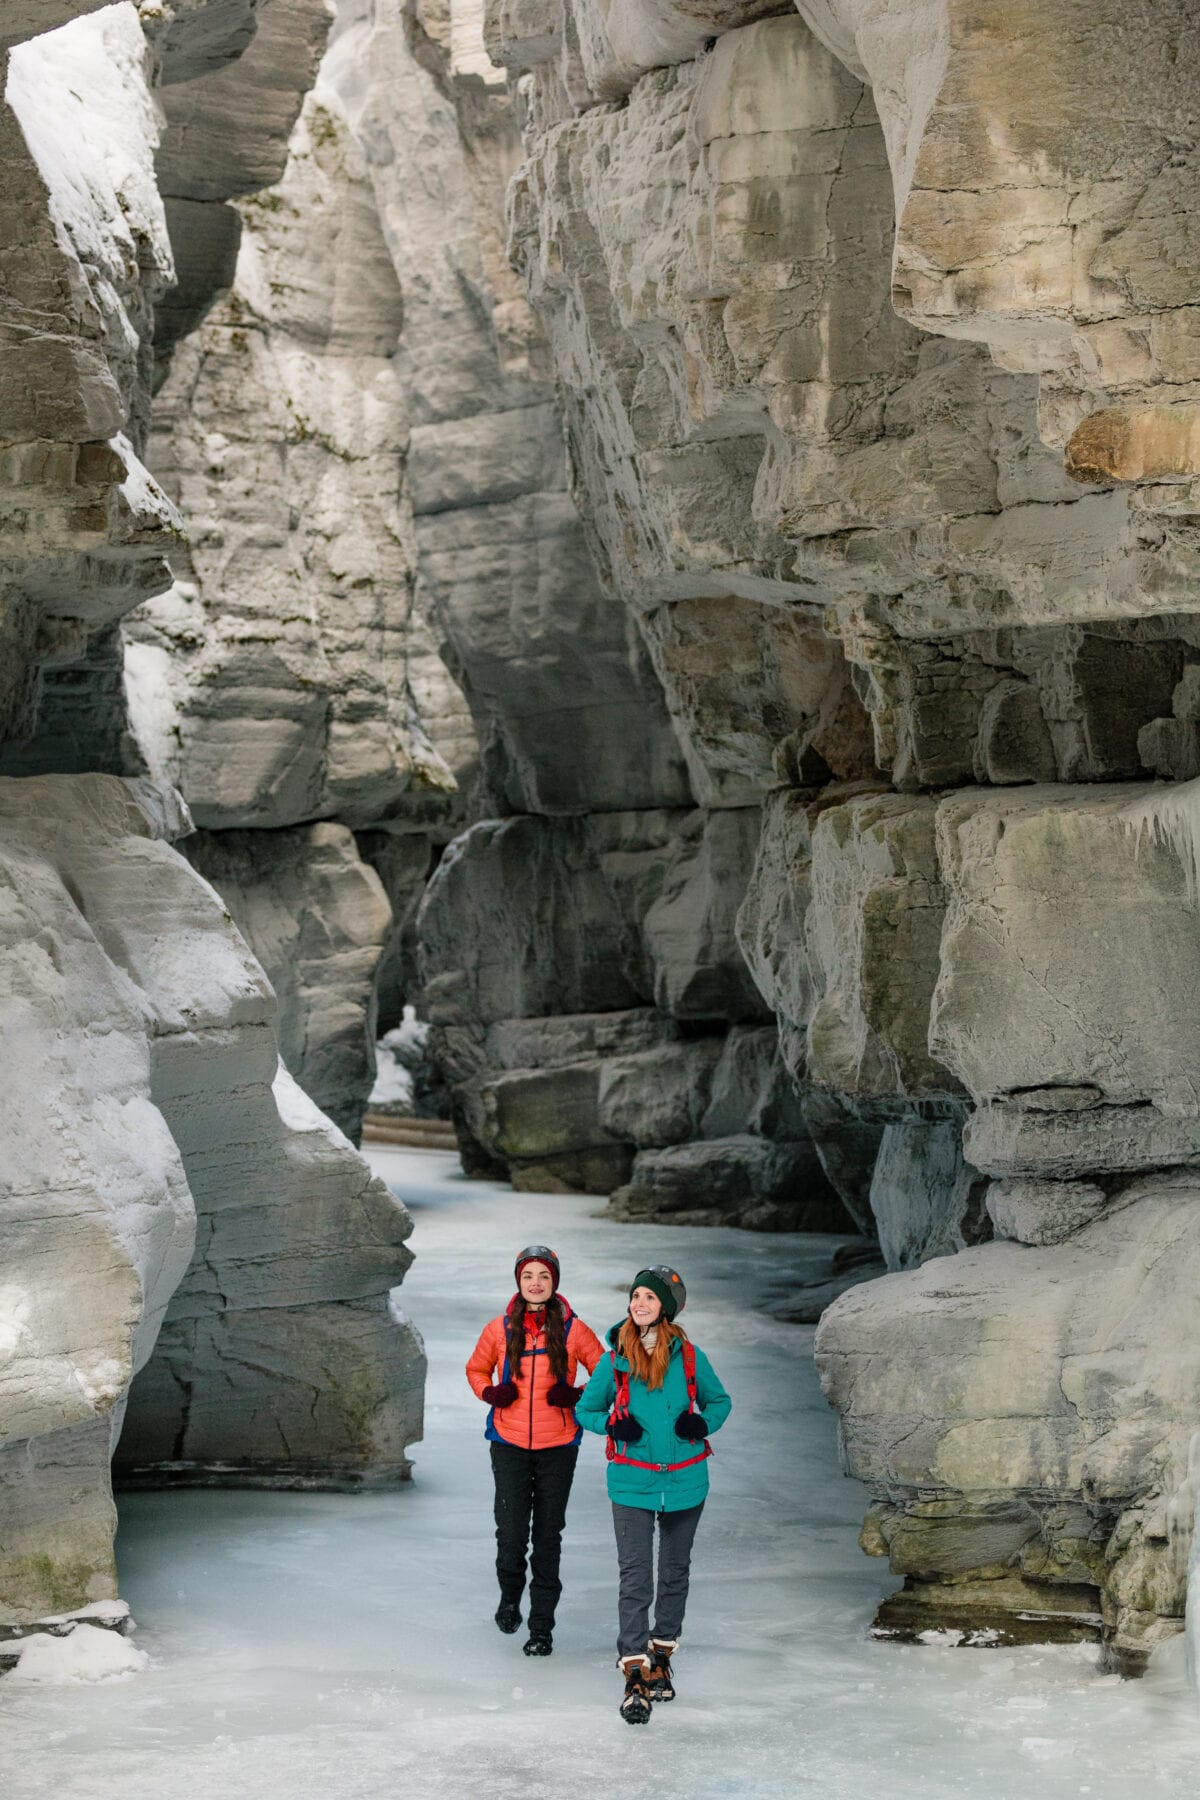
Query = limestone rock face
x=1056 y=1383
x=270 y=683
x=316 y=917
x=83 y=528
x=1043 y=1212
x=1013 y=224
x=874 y=929
x=217 y=1236
x=97 y=1222
x=567 y=710
x=1036 y=1009
x=175 y=1110
x=230 y=106
x=749 y=417
x=529 y=917
x=582 y=977
x=287 y=1370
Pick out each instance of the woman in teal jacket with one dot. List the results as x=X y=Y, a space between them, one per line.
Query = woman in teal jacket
x=656 y=1399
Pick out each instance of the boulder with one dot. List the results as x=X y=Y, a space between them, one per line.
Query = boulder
x=1051 y=1391
x=741 y=1180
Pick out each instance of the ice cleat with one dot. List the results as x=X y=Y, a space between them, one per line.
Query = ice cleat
x=635 y=1707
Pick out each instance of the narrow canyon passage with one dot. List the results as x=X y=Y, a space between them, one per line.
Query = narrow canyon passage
x=341 y=1647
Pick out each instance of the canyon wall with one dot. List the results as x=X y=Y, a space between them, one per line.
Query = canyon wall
x=664 y=530
x=873 y=358
x=200 y=1272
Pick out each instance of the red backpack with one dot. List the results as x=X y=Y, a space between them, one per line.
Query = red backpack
x=621 y=1411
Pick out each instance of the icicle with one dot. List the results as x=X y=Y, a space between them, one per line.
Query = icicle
x=1170 y=816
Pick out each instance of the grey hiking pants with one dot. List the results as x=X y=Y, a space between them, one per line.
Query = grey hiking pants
x=634 y=1526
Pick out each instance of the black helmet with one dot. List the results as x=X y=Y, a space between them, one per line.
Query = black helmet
x=538 y=1253
x=666 y=1283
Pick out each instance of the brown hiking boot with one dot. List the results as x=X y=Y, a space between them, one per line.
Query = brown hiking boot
x=659 y=1684
x=635 y=1707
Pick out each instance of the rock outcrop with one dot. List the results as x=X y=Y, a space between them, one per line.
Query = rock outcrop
x=160 y=1169
x=83 y=528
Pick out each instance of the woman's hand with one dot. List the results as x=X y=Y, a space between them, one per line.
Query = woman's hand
x=501 y=1396
x=561 y=1393
x=691 y=1426
x=623 y=1431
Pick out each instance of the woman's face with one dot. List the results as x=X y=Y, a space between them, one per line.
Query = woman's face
x=645 y=1307
x=536 y=1283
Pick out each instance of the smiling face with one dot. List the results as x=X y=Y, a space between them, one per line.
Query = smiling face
x=536 y=1284
x=645 y=1307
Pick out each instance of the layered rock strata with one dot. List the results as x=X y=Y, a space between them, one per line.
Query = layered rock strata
x=173 y=1205
x=83 y=528
x=877 y=568
x=599 y=1026
x=218 y=1237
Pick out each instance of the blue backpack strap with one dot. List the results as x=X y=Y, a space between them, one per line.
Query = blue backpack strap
x=489 y=1424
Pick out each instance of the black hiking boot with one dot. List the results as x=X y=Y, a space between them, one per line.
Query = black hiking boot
x=539 y=1643
x=635 y=1707
x=508 y=1616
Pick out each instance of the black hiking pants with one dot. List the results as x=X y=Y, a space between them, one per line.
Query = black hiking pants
x=532 y=1488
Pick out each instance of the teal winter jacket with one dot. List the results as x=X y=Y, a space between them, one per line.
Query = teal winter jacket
x=656 y=1412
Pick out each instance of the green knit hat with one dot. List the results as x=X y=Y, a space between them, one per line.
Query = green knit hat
x=666 y=1284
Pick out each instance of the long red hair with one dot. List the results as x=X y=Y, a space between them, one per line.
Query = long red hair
x=649 y=1366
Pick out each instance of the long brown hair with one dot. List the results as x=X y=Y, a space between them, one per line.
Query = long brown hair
x=556 y=1335
x=649 y=1366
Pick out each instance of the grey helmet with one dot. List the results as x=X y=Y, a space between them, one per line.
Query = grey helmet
x=538 y=1253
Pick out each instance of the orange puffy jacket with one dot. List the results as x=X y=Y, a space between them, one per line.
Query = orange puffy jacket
x=530 y=1422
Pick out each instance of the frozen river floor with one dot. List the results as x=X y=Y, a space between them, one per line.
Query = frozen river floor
x=341 y=1647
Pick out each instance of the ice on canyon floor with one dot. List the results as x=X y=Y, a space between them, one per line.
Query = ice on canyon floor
x=341 y=1647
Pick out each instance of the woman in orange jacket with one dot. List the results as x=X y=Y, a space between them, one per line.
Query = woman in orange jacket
x=535 y=1348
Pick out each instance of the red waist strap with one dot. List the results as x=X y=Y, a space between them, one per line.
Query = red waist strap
x=663 y=1468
